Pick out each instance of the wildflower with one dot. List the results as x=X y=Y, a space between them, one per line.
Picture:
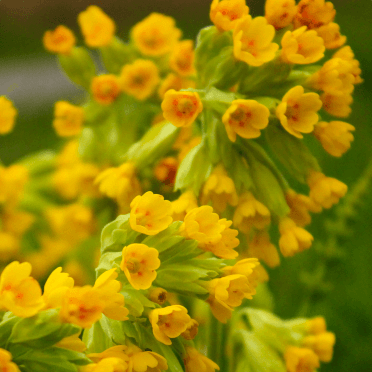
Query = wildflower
x=280 y=13
x=314 y=13
x=8 y=113
x=6 y=363
x=166 y=170
x=72 y=343
x=253 y=41
x=181 y=59
x=244 y=267
x=150 y=213
x=316 y=325
x=175 y=82
x=184 y=204
x=159 y=296
x=300 y=359
x=293 y=239
x=335 y=136
x=20 y=293
x=337 y=103
x=250 y=213
x=96 y=26
x=60 y=41
x=325 y=191
x=298 y=111
x=261 y=247
x=139 y=263
x=245 y=118
x=105 y=88
x=191 y=330
x=331 y=35
x=302 y=47
x=145 y=361
x=347 y=54
x=156 y=35
x=12 y=183
x=322 y=344
x=169 y=322
x=68 y=119
x=107 y=364
x=9 y=246
x=225 y=14
x=195 y=361
x=181 y=108
x=118 y=351
x=139 y=79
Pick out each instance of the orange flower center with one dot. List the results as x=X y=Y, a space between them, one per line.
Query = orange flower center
x=185 y=106
x=133 y=265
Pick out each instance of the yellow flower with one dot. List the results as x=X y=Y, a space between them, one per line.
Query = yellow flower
x=105 y=88
x=325 y=191
x=169 y=322
x=244 y=267
x=156 y=35
x=219 y=189
x=68 y=119
x=6 y=363
x=165 y=171
x=191 y=330
x=253 y=41
x=72 y=343
x=316 y=325
x=9 y=246
x=20 y=293
x=347 y=54
x=250 y=213
x=322 y=344
x=175 y=82
x=331 y=35
x=302 y=47
x=261 y=247
x=16 y=222
x=158 y=295
x=150 y=213
x=118 y=351
x=314 y=13
x=195 y=361
x=139 y=79
x=293 y=239
x=60 y=41
x=181 y=59
x=300 y=359
x=337 y=103
x=225 y=14
x=106 y=365
x=298 y=111
x=280 y=13
x=184 y=204
x=246 y=118
x=139 y=263
x=96 y=26
x=181 y=108
x=12 y=183
x=335 y=136
x=8 y=113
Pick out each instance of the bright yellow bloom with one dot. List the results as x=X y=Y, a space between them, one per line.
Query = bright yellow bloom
x=106 y=365
x=68 y=119
x=139 y=263
x=298 y=111
x=150 y=213
x=250 y=213
x=72 y=343
x=314 y=13
x=118 y=351
x=8 y=113
x=302 y=47
x=325 y=191
x=12 y=183
x=158 y=295
x=335 y=136
x=181 y=108
x=9 y=246
x=169 y=322
x=322 y=344
x=20 y=293
x=165 y=171
x=347 y=54
x=105 y=88
x=96 y=26
x=337 y=103
x=219 y=189
x=195 y=361
x=244 y=267
x=300 y=359
x=225 y=14
x=139 y=79
x=175 y=82
x=261 y=247
x=60 y=41
x=156 y=35
x=246 y=118
x=280 y=13
x=331 y=35
x=181 y=59
x=191 y=330
x=6 y=363
x=293 y=239
x=184 y=204
x=316 y=325
x=253 y=41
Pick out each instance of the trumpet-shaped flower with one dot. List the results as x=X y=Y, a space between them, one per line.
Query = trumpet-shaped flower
x=314 y=13
x=300 y=359
x=337 y=103
x=225 y=14
x=244 y=267
x=331 y=35
x=105 y=88
x=195 y=361
x=280 y=13
x=8 y=113
x=60 y=41
x=261 y=247
x=68 y=119
x=181 y=59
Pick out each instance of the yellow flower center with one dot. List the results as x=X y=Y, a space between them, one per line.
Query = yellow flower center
x=185 y=106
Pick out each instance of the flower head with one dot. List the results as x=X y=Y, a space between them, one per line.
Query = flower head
x=8 y=113
x=244 y=267
x=337 y=103
x=225 y=14
x=347 y=54
x=6 y=363
x=331 y=35
x=322 y=344
x=280 y=13
x=68 y=119
x=60 y=41
x=261 y=247
x=195 y=361
x=314 y=13
x=105 y=88
x=300 y=359
x=181 y=59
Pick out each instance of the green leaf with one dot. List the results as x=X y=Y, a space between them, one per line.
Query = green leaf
x=114 y=233
x=96 y=339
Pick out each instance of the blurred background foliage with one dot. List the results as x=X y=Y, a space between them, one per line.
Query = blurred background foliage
x=31 y=78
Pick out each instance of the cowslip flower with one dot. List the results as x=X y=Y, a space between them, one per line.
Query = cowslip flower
x=96 y=26
x=6 y=363
x=253 y=41
x=195 y=361
x=184 y=204
x=337 y=103
x=72 y=343
x=322 y=344
x=181 y=59
x=280 y=13
x=139 y=79
x=298 y=111
x=181 y=108
x=165 y=171
x=8 y=113
x=347 y=54
x=293 y=239
x=105 y=88
x=300 y=359
x=225 y=14
x=191 y=330
x=244 y=267
x=316 y=325
x=175 y=82
x=261 y=247
x=107 y=364
x=68 y=119
x=331 y=35
x=19 y=292
x=169 y=322
x=334 y=136
x=302 y=47
x=60 y=41
x=156 y=35
x=246 y=118
x=150 y=213
x=314 y=13
x=139 y=263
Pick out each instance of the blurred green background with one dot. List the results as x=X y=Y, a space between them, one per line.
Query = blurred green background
x=31 y=78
